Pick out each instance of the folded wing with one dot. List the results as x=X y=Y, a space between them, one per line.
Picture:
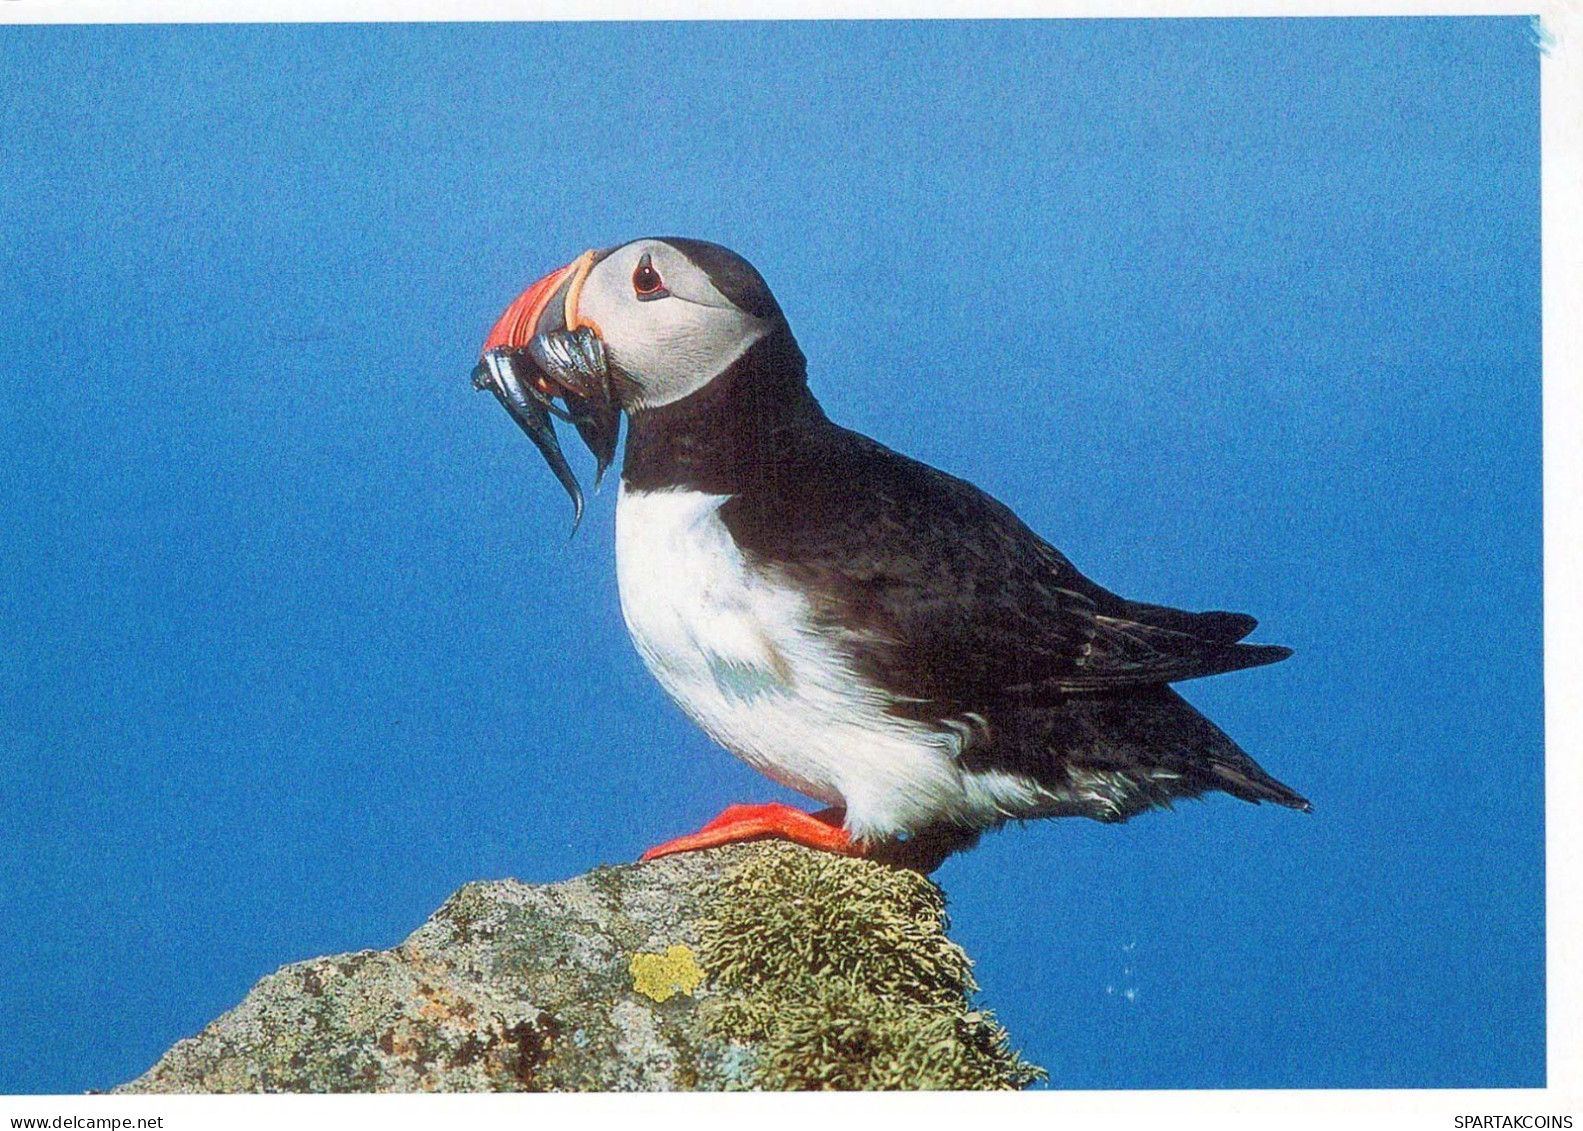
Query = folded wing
x=945 y=596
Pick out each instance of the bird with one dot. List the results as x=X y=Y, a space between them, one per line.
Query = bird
x=876 y=634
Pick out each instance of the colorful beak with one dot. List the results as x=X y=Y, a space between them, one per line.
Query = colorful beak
x=536 y=310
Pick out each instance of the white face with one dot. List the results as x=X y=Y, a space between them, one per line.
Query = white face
x=663 y=322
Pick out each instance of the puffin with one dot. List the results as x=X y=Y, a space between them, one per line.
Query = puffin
x=879 y=636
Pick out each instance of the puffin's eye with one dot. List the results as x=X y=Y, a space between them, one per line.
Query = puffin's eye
x=646 y=281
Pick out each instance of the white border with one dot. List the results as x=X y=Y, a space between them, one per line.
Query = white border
x=1561 y=95
x=1557 y=14
x=1562 y=132
x=1255 y=1111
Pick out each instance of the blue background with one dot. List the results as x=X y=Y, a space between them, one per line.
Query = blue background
x=1238 y=314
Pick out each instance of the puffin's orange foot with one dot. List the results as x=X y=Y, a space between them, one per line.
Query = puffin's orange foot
x=753 y=822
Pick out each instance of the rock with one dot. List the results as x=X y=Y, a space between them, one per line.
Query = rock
x=754 y=966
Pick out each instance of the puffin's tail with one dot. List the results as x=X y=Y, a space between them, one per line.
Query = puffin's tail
x=1121 y=753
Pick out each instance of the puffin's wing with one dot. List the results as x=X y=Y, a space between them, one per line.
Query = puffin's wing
x=1221 y=628
x=942 y=593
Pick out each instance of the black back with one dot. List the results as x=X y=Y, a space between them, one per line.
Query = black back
x=942 y=595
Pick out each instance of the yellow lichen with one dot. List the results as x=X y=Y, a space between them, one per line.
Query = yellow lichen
x=662 y=976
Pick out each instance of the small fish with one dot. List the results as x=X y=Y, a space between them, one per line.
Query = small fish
x=575 y=360
x=527 y=379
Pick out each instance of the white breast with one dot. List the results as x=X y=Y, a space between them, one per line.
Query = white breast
x=738 y=650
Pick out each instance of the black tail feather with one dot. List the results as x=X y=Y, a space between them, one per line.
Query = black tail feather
x=1213 y=627
x=1120 y=753
x=1241 y=656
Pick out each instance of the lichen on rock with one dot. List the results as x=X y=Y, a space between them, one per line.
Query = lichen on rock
x=840 y=973
x=660 y=977
x=761 y=966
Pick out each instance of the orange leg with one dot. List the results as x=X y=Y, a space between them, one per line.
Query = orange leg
x=753 y=822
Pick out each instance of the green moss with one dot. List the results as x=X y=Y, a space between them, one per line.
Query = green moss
x=839 y=971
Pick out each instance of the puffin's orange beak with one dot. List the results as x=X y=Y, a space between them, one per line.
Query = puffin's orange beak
x=522 y=320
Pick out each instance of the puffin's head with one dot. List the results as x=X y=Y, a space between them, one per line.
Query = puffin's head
x=630 y=328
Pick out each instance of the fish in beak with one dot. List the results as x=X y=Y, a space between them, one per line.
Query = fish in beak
x=539 y=351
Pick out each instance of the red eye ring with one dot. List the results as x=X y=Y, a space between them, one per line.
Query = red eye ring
x=646 y=281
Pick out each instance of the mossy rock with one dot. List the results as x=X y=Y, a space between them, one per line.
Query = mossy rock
x=756 y=966
x=841 y=975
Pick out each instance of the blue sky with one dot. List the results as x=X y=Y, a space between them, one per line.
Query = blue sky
x=1239 y=314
